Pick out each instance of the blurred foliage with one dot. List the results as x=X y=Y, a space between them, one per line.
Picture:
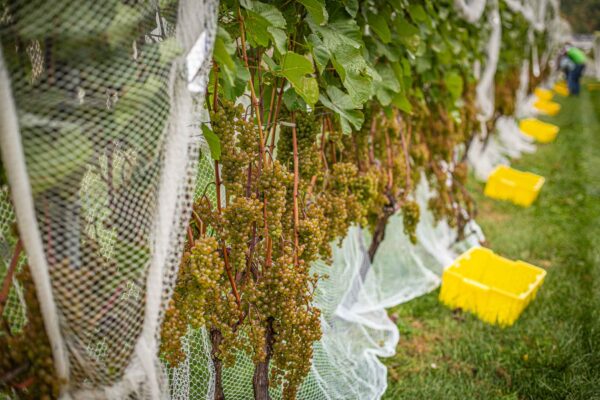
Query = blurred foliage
x=583 y=15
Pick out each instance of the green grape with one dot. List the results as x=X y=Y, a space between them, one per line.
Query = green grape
x=410 y=219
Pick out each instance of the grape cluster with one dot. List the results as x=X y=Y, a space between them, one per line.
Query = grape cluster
x=275 y=184
x=199 y=272
x=410 y=219
x=295 y=322
x=237 y=138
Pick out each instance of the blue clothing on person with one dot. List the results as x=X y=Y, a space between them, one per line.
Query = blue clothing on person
x=574 y=77
x=572 y=62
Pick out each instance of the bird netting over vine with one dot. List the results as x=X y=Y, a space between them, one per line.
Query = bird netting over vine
x=100 y=146
x=139 y=218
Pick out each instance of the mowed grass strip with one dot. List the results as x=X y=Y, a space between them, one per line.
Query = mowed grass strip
x=553 y=350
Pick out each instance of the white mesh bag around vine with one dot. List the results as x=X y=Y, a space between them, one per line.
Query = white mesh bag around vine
x=99 y=145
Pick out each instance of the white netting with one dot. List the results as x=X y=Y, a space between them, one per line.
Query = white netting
x=485 y=86
x=508 y=142
x=98 y=142
x=15 y=309
x=471 y=10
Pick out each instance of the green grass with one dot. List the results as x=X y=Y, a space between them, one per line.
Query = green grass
x=553 y=350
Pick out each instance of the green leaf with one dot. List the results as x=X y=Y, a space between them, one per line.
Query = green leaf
x=408 y=33
x=405 y=29
x=279 y=38
x=351 y=7
x=267 y=11
x=388 y=86
x=222 y=51
x=401 y=101
x=295 y=68
x=379 y=24
x=292 y=101
x=417 y=12
x=344 y=106
x=423 y=64
x=270 y=63
x=256 y=29
x=264 y=23
x=342 y=40
x=316 y=9
x=355 y=73
x=213 y=141
x=454 y=84
x=319 y=52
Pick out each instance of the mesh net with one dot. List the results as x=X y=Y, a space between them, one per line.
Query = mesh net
x=14 y=309
x=99 y=144
x=100 y=137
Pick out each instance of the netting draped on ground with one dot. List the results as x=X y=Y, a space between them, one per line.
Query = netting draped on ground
x=100 y=149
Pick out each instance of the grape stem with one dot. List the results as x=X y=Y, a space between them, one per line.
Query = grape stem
x=274 y=120
x=225 y=253
x=405 y=146
x=260 y=380
x=252 y=90
x=390 y=162
x=296 y=174
x=215 y=340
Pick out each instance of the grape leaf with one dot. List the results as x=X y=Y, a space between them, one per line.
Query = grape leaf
x=342 y=104
x=319 y=52
x=264 y=23
x=342 y=40
x=454 y=84
x=222 y=51
x=213 y=141
x=379 y=24
x=417 y=12
x=386 y=88
x=316 y=9
x=295 y=68
x=408 y=33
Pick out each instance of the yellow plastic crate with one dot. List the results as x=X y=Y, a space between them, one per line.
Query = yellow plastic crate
x=561 y=88
x=521 y=188
x=540 y=131
x=543 y=94
x=494 y=288
x=547 y=107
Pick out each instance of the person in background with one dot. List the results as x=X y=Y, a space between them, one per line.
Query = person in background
x=574 y=75
x=565 y=64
